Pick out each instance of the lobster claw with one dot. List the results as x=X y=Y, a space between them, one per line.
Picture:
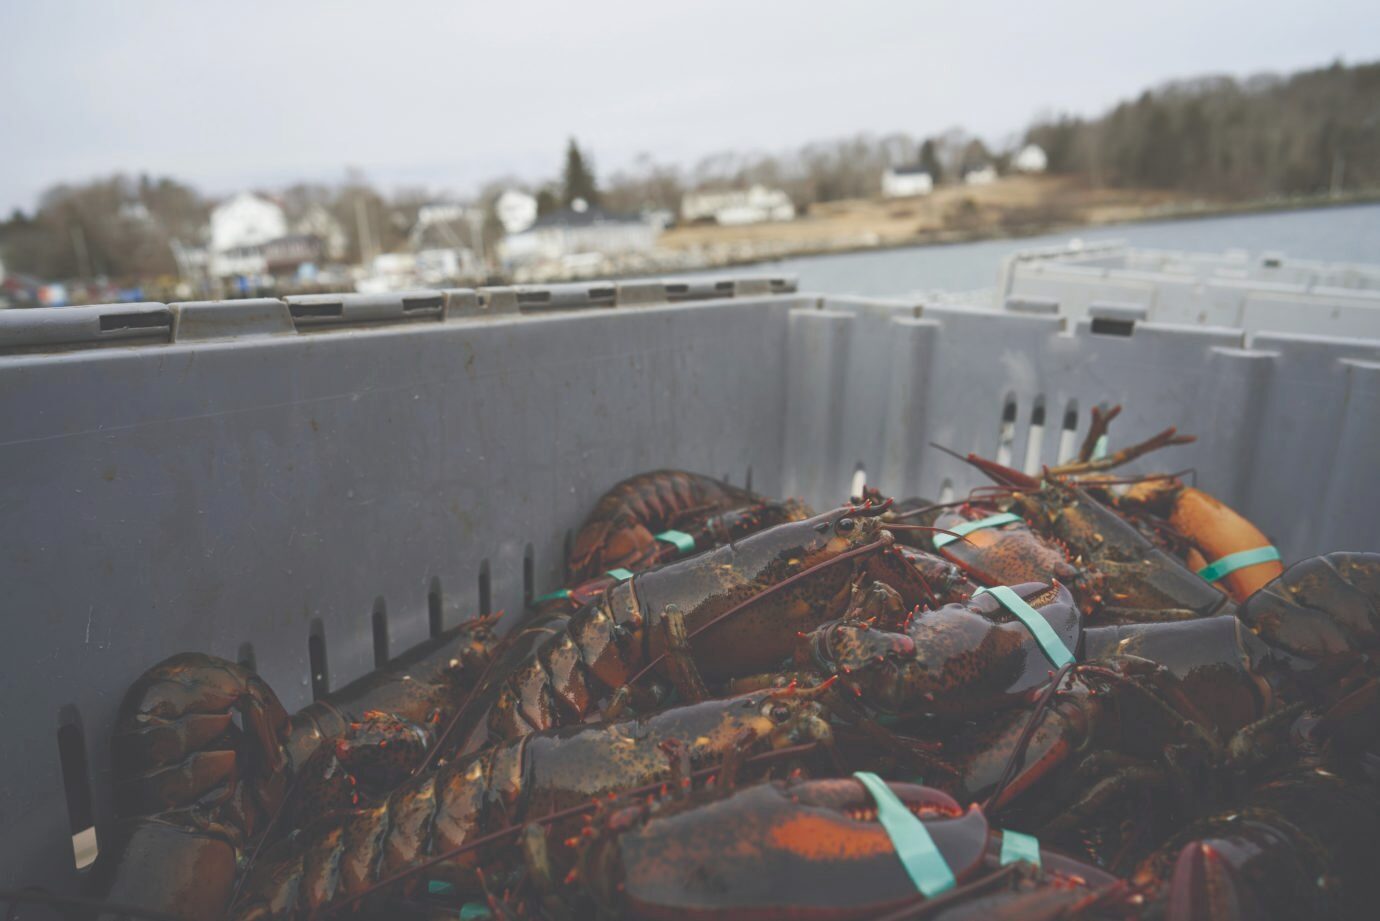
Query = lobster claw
x=1324 y=610
x=1205 y=887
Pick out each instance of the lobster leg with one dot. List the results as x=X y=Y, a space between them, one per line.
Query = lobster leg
x=1252 y=744
x=680 y=659
x=1122 y=783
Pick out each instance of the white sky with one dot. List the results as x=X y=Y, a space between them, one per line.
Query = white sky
x=229 y=94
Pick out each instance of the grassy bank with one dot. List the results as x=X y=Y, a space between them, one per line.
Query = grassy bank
x=1011 y=207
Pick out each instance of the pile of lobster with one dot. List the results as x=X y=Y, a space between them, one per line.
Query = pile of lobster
x=1071 y=695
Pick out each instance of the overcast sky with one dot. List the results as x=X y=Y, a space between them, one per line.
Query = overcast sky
x=244 y=93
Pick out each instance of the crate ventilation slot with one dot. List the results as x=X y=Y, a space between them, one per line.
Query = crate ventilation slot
x=333 y=309
x=426 y=302
x=1111 y=326
x=152 y=320
x=76 y=784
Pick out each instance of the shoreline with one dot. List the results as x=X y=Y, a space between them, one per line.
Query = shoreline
x=1155 y=214
x=961 y=237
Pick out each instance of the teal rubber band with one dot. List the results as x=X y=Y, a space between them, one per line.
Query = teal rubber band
x=439 y=887
x=622 y=575
x=1234 y=561
x=1044 y=634
x=558 y=593
x=968 y=527
x=1100 y=448
x=1016 y=847
x=917 y=850
x=682 y=541
x=475 y=911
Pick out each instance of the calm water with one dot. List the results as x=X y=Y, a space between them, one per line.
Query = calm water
x=1343 y=234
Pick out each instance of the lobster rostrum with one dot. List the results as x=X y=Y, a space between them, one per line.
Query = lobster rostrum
x=352 y=855
x=620 y=533
x=789 y=849
x=740 y=607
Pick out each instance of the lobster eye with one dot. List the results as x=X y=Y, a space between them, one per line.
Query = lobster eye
x=845 y=525
x=779 y=713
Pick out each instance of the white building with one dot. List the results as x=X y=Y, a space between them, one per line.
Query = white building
x=246 y=220
x=738 y=206
x=985 y=175
x=570 y=233
x=906 y=182
x=317 y=222
x=1030 y=159
x=516 y=211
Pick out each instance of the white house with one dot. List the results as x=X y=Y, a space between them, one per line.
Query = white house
x=516 y=211
x=984 y=175
x=906 y=182
x=317 y=222
x=738 y=206
x=246 y=220
x=575 y=232
x=1030 y=159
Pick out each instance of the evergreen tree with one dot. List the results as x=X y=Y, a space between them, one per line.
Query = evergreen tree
x=547 y=201
x=579 y=178
x=929 y=160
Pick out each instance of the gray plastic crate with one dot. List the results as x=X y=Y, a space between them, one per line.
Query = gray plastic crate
x=247 y=476
x=1268 y=293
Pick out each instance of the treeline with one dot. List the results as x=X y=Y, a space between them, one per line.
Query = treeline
x=129 y=228
x=1313 y=132
x=1308 y=133
x=812 y=174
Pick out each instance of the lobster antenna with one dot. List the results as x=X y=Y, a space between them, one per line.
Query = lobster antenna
x=1008 y=476
x=809 y=571
x=510 y=830
x=990 y=805
x=463 y=709
x=263 y=838
x=947 y=450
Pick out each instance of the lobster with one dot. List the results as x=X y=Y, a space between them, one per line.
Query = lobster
x=802 y=849
x=192 y=785
x=1299 y=845
x=1186 y=708
x=1065 y=534
x=620 y=533
x=960 y=661
x=737 y=609
x=349 y=856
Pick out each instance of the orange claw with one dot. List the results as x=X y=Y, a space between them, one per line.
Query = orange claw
x=1216 y=531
